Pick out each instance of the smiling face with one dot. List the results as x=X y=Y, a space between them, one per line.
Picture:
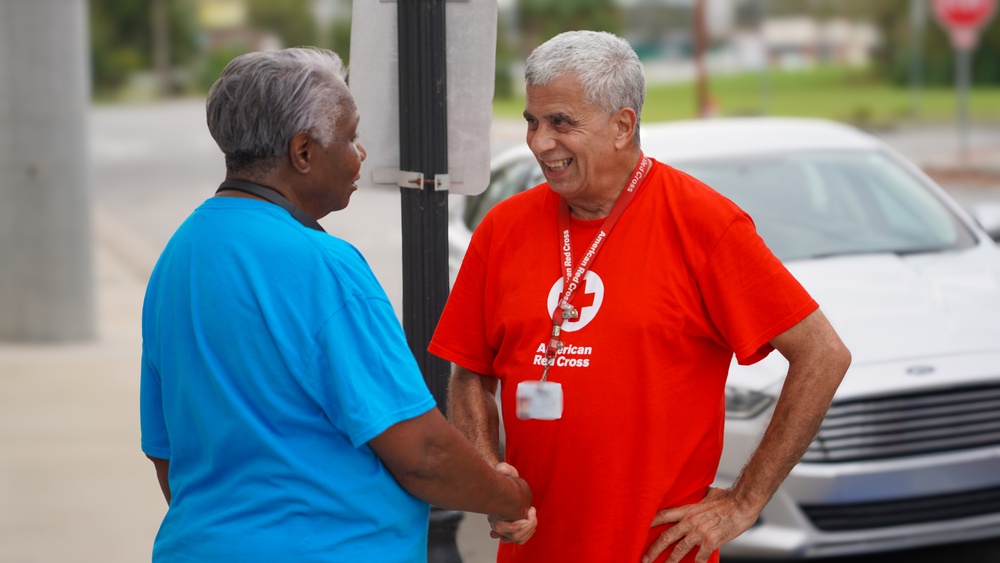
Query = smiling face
x=582 y=149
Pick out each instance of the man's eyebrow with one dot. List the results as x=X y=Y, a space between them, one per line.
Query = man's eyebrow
x=557 y=116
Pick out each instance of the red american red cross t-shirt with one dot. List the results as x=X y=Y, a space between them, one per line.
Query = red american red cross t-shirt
x=682 y=283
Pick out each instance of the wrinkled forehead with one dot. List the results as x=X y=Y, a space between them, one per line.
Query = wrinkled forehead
x=563 y=94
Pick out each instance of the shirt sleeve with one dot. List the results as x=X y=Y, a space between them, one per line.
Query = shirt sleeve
x=154 y=441
x=460 y=336
x=365 y=377
x=750 y=295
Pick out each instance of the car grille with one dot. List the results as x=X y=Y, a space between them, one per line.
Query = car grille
x=846 y=517
x=906 y=425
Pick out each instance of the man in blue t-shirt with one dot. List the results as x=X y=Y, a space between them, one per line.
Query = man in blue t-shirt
x=280 y=404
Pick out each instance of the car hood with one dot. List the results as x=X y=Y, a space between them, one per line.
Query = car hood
x=891 y=309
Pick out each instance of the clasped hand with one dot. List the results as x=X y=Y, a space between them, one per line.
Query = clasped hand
x=512 y=531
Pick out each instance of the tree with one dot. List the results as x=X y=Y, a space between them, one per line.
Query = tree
x=542 y=20
x=121 y=40
x=893 y=57
x=290 y=20
x=892 y=17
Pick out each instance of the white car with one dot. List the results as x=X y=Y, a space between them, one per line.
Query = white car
x=909 y=453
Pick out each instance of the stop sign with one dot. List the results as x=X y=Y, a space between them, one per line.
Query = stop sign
x=963 y=18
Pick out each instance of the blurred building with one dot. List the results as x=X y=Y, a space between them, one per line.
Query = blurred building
x=226 y=22
x=795 y=42
x=744 y=37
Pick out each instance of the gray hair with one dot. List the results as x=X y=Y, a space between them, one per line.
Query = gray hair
x=263 y=99
x=607 y=67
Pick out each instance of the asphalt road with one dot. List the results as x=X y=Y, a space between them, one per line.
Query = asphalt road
x=152 y=164
x=976 y=552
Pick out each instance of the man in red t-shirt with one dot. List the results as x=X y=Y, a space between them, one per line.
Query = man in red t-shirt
x=608 y=303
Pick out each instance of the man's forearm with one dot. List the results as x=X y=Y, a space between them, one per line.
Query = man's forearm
x=791 y=430
x=472 y=409
x=818 y=361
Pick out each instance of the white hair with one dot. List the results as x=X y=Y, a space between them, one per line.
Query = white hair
x=263 y=99
x=607 y=67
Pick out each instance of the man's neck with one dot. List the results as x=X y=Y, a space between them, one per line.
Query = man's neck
x=590 y=211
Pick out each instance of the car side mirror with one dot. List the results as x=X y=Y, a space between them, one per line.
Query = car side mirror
x=988 y=217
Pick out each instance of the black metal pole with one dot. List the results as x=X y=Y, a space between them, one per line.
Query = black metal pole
x=423 y=148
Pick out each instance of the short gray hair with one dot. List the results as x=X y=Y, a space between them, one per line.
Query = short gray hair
x=607 y=67
x=263 y=99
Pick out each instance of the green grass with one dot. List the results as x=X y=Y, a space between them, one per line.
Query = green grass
x=846 y=95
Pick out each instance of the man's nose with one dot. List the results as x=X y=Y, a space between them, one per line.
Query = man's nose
x=541 y=139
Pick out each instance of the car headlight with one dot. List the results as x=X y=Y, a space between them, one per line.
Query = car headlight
x=743 y=403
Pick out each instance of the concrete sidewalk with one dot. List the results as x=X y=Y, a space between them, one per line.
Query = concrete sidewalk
x=74 y=485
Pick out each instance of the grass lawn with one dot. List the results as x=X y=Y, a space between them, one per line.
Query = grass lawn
x=853 y=96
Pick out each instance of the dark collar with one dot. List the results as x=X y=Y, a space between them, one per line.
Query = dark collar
x=271 y=195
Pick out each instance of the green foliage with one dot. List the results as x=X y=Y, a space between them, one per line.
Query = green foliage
x=939 y=57
x=900 y=43
x=291 y=20
x=542 y=20
x=340 y=40
x=506 y=55
x=853 y=96
x=121 y=34
x=113 y=58
x=213 y=62
x=121 y=39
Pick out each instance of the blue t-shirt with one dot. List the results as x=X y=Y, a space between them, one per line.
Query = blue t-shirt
x=271 y=356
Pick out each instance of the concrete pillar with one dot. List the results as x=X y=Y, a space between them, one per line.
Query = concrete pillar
x=46 y=273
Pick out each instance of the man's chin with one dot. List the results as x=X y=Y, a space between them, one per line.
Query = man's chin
x=561 y=186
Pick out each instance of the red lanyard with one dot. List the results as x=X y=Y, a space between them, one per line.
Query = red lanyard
x=572 y=278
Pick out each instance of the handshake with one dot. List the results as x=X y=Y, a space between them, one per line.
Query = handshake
x=517 y=527
x=433 y=461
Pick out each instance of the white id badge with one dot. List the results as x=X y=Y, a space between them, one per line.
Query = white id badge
x=539 y=400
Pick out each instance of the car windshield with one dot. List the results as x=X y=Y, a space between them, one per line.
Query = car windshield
x=820 y=204
x=505 y=181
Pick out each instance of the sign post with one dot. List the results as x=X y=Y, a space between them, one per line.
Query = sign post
x=425 y=101
x=963 y=19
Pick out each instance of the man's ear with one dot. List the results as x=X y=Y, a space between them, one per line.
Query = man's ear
x=300 y=151
x=624 y=122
